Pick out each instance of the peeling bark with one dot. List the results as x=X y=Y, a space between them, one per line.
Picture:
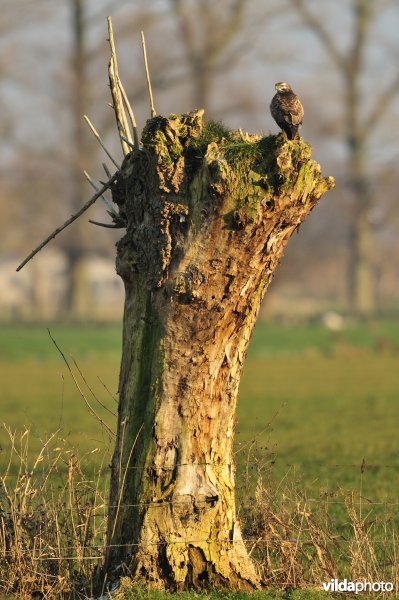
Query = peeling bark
x=208 y=214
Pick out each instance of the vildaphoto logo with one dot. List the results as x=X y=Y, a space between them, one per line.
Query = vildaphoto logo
x=335 y=585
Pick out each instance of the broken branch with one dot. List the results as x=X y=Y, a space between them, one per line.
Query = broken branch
x=127 y=142
x=107 y=225
x=96 y=188
x=153 y=112
x=129 y=108
x=115 y=85
x=97 y=135
x=107 y=171
x=71 y=219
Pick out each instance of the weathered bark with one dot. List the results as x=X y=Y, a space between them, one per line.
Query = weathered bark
x=208 y=217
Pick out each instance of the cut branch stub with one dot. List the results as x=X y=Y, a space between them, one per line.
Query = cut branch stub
x=208 y=216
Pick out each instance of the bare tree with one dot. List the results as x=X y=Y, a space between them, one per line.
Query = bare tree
x=362 y=119
x=208 y=31
x=74 y=241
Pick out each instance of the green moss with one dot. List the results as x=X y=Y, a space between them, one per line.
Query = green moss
x=243 y=153
x=143 y=337
x=252 y=163
x=232 y=144
x=272 y=163
x=304 y=179
x=213 y=131
x=291 y=169
x=243 y=169
x=241 y=162
x=168 y=149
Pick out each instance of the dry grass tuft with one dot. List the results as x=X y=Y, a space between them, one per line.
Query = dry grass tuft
x=300 y=542
x=52 y=521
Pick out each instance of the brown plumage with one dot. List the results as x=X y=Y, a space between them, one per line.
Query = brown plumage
x=287 y=110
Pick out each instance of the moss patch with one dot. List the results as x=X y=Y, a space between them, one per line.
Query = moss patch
x=271 y=157
x=212 y=131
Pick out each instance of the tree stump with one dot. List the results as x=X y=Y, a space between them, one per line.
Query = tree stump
x=209 y=213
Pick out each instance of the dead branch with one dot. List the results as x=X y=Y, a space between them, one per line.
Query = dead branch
x=153 y=112
x=97 y=136
x=91 y=409
x=129 y=109
x=71 y=219
x=107 y=171
x=115 y=85
x=107 y=225
x=117 y=221
x=96 y=188
x=90 y=389
x=127 y=141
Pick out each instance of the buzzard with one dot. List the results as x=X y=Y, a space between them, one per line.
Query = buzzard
x=287 y=110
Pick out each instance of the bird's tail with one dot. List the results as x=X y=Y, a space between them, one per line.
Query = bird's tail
x=293 y=132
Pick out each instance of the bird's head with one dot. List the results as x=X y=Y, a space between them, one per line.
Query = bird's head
x=283 y=87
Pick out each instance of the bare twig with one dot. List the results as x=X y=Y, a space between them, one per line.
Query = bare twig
x=107 y=225
x=127 y=141
x=68 y=221
x=108 y=390
x=91 y=391
x=97 y=135
x=153 y=112
x=91 y=410
x=118 y=222
x=115 y=85
x=129 y=108
x=107 y=171
x=96 y=188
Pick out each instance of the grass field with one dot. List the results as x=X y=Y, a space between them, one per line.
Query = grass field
x=317 y=413
x=312 y=402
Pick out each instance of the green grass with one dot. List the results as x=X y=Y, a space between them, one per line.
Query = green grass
x=313 y=405
x=312 y=402
x=274 y=339
x=270 y=339
x=307 y=594
x=32 y=342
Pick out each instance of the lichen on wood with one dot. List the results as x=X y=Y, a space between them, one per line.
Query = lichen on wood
x=209 y=212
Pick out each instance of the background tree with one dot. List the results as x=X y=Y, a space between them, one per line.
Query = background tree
x=366 y=106
x=268 y=44
x=73 y=242
x=209 y=33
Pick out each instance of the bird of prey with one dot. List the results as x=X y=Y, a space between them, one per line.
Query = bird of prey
x=287 y=110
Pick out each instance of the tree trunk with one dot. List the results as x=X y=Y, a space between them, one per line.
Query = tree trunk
x=360 y=264
x=361 y=276
x=209 y=213
x=74 y=244
x=360 y=279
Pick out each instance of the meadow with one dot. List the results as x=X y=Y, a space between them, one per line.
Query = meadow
x=312 y=401
x=317 y=417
